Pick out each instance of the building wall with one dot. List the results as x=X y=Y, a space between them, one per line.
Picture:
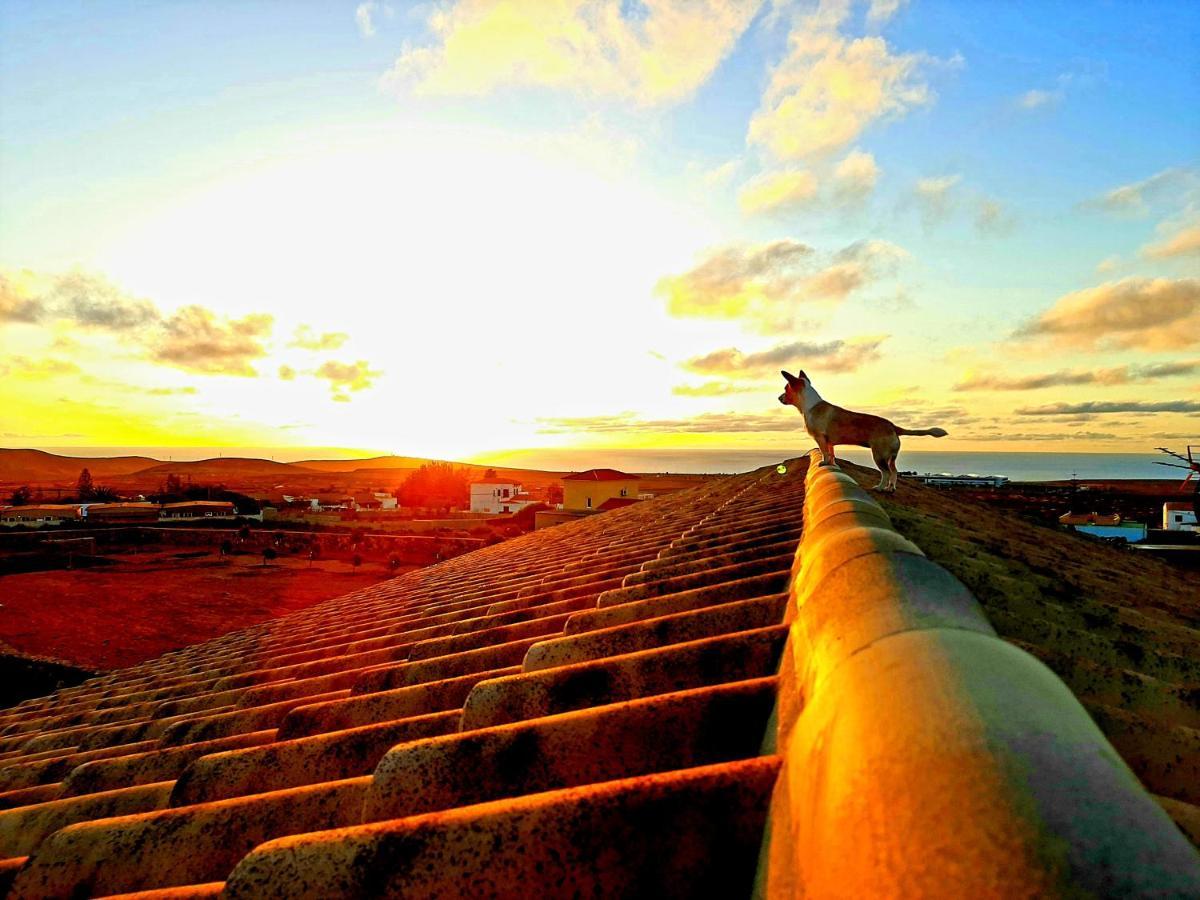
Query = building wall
x=488 y=498
x=576 y=494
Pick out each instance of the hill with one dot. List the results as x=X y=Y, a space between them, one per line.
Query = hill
x=353 y=465
x=223 y=467
x=38 y=466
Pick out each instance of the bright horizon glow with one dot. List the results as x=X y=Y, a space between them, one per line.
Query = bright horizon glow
x=327 y=231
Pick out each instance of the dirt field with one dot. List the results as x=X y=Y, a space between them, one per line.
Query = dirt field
x=148 y=603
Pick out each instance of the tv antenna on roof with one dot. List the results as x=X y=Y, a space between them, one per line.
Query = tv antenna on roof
x=1192 y=466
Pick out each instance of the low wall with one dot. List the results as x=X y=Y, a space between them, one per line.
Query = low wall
x=409 y=549
x=925 y=756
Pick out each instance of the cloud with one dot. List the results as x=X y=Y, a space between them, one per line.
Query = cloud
x=721 y=175
x=355 y=376
x=830 y=356
x=778 y=192
x=1141 y=313
x=1036 y=99
x=829 y=89
x=764 y=283
x=1075 y=436
x=1063 y=378
x=1135 y=198
x=1108 y=264
x=727 y=422
x=712 y=389
x=733 y=279
x=196 y=339
x=855 y=176
x=170 y=391
x=934 y=197
x=37 y=369
x=306 y=339
x=364 y=16
x=1110 y=406
x=1184 y=242
x=942 y=197
x=880 y=11
x=16 y=305
x=652 y=53
x=95 y=302
x=287 y=373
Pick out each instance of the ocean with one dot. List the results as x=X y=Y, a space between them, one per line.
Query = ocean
x=1016 y=466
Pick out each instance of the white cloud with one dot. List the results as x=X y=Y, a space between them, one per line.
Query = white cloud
x=829 y=88
x=856 y=175
x=778 y=192
x=660 y=53
x=364 y=18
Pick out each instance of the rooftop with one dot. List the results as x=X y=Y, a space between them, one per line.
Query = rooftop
x=599 y=475
x=606 y=708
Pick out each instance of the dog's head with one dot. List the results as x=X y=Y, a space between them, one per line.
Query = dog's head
x=793 y=390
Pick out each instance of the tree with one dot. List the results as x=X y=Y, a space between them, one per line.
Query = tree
x=84 y=487
x=554 y=494
x=227 y=547
x=489 y=474
x=268 y=554
x=22 y=495
x=104 y=494
x=356 y=560
x=437 y=484
x=174 y=486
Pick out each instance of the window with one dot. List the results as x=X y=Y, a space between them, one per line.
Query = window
x=589 y=502
x=624 y=492
x=1179 y=518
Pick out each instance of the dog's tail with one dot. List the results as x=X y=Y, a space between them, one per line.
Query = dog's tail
x=923 y=432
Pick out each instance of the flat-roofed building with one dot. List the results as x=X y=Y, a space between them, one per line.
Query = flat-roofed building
x=35 y=515
x=192 y=510
x=122 y=513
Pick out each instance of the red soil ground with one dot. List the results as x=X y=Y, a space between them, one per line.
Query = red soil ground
x=148 y=603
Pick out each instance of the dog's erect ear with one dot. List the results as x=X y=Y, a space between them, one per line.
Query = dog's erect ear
x=791 y=379
x=802 y=375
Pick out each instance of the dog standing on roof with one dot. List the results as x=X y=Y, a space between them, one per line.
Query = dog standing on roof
x=831 y=425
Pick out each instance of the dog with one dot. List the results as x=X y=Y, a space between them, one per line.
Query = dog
x=831 y=425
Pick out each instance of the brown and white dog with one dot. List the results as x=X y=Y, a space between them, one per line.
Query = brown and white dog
x=831 y=425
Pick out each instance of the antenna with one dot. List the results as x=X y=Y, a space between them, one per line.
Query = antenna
x=1192 y=467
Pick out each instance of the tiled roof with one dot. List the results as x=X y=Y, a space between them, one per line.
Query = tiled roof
x=617 y=503
x=585 y=710
x=599 y=475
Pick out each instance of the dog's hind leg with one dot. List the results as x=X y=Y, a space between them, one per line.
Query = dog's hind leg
x=893 y=475
x=881 y=462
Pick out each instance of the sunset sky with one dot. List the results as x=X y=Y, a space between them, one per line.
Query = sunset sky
x=451 y=228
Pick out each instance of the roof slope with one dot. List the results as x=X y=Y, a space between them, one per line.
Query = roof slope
x=548 y=668
x=497 y=723
x=599 y=475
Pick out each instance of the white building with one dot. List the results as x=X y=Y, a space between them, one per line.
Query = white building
x=1179 y=517
x=497 y=496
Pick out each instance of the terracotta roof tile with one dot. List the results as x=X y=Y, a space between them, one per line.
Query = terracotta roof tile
x=585 y=707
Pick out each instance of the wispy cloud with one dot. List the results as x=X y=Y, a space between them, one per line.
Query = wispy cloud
x=36 y=369
x=1137 y=196
x=1112 y=406
x=763 y=284
x=830 y=356
x=940 y=198
x=778 y=192
x=1141 y=313
x=712 y=389
x=364 y=16
x=307 y=339
x=653 y=54
x=1065 y=377
x=1182 y=243
x=630 y=423
x=342 y=377
x=196 y=339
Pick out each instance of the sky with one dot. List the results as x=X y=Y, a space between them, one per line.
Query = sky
x=455 y=228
